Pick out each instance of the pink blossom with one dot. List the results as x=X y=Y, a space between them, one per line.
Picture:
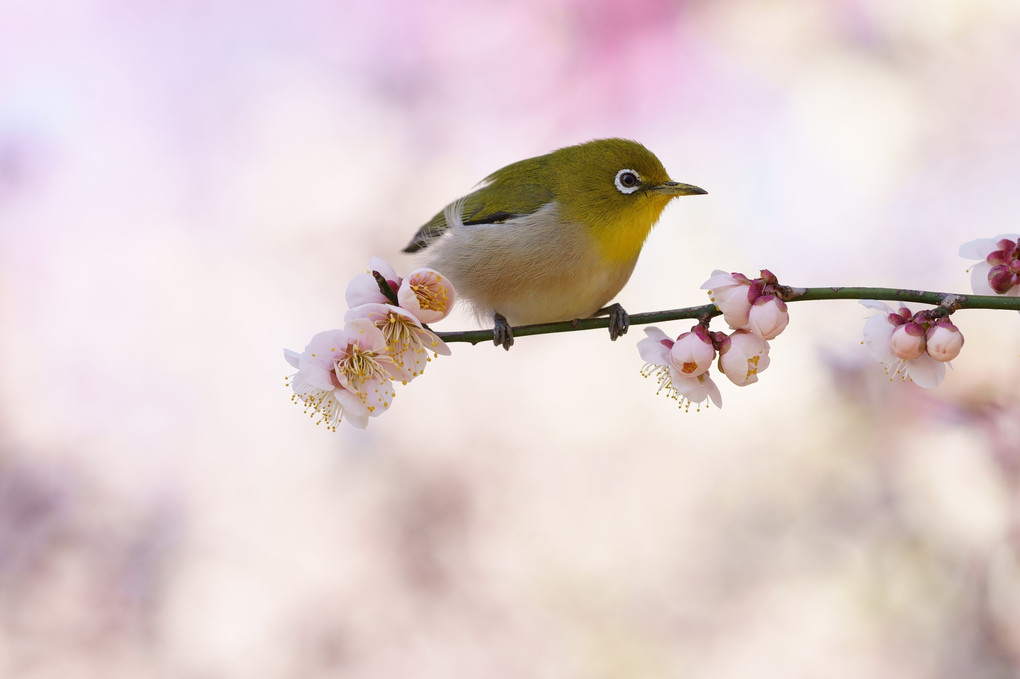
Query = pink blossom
x=742 y=356
x=408 y=342
x=692 y=353
x=923 y=370
x=657 y=351
x=427 y=294
x=345 y=373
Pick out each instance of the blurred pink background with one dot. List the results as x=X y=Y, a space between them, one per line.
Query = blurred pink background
x=185 y=189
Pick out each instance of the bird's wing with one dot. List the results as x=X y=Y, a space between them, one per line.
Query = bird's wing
x=482 y=207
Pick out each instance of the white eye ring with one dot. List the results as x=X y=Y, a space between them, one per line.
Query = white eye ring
x=627 y=181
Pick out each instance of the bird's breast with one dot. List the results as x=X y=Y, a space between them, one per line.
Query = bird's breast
x=535 y=268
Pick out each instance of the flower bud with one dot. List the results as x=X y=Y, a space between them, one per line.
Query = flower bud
x=693 y=352
x=768 y=317
x=1002 y=279
x=944 y=341
x=908 y=341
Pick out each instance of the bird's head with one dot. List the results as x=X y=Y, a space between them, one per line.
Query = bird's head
x=615 y=187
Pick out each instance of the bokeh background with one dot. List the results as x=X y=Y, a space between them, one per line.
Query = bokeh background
x=185 y=189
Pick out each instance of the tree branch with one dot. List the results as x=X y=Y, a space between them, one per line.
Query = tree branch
x=950 y=301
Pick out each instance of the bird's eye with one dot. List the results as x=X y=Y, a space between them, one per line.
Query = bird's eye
x=627 y=181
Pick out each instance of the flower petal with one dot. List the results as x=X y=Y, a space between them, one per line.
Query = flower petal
x=878 y=338
x=652 y=348
x=377 y=395
x=379 y=314
x=364 y=333
x=354 y=411
x=717 y=279
x=979 y=248
x=382 y=266
x=363 y=289
x=713 y=391
x=657 y=334
x=979 y=279
x=926 y=371
x=316 y=376
x=432 y=342
x=876 y=305
x=324 y=344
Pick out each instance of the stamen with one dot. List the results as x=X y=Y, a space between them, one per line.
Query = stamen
x=431 y=298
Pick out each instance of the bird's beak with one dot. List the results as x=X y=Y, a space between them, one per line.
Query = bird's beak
x=677 y=189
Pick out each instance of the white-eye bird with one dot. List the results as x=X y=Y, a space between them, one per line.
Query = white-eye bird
x=552 y=238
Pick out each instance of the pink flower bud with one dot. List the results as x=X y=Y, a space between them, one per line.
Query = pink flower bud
x=944 y=341
x=1008 y=245
x=693 y=352
x=908 y=341
x=1001 y=279
x=768 y=317
x=996 y=258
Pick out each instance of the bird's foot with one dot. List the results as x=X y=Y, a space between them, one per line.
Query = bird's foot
x=619 y=320
x=502 y=333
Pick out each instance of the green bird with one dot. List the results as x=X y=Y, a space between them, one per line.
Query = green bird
x=552 y=238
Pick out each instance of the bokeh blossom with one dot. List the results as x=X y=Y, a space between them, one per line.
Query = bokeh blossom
x=998 y=272
x=916 y=346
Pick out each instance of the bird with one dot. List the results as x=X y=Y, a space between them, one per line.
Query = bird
x=554 y=237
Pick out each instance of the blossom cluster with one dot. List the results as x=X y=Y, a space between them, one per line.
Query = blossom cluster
x=754 y=312
x=916 y=346
x=349 y=372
